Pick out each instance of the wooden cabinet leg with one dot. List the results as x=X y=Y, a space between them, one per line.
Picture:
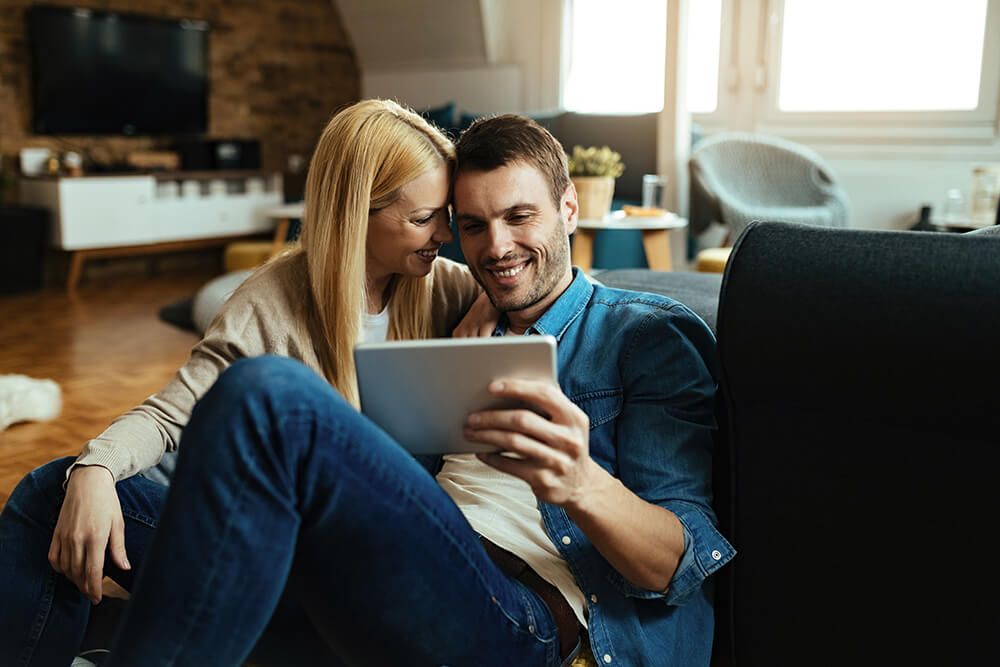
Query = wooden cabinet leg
x=76 y=260
x=657 y=245
x=280 y=236
x=583 y=249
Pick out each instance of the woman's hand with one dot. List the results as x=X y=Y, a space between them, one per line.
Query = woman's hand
x=480 y=321
x=90 y=520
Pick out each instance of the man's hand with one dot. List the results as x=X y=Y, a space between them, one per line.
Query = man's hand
x=479 y=321
x=90 y=520
x=553 y=455
x=642 y=541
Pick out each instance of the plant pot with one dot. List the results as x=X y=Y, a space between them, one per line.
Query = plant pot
x=594 y=193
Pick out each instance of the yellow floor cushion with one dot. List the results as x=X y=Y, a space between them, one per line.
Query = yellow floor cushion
x=712 y=260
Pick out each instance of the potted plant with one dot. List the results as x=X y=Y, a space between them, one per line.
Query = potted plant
x=593 y=171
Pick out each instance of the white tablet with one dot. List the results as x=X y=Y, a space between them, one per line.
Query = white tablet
x=421 y=391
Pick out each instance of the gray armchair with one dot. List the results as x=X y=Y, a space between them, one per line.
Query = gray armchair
x=738 y=177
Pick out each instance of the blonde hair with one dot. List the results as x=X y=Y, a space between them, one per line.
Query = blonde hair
x=367 y=152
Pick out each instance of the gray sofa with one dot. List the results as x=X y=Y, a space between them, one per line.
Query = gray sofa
x=698 y=291
x=857 y=456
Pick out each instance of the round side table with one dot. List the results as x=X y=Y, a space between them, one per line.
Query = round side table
x=655 y=237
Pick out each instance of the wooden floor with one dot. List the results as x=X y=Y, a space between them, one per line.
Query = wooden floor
x=105 y=346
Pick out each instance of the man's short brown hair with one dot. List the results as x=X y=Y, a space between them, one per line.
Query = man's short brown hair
x=491 y=143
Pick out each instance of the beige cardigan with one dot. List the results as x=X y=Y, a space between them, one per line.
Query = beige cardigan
x=268 y=314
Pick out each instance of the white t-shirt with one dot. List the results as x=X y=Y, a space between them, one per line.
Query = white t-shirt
x=375 y=328
x=503 y=509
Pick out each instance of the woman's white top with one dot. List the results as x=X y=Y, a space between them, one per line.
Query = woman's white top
x=375 y=328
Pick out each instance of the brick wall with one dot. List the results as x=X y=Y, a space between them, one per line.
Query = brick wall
x=279 y=69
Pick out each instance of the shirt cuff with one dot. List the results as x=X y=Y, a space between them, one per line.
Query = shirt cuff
x=705 y=551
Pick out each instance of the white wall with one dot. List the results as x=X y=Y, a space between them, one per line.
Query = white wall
x=887 y=193
x=486 y=89
x=510 y=61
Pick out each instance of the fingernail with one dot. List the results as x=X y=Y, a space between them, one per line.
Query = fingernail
x=474 y=419
x=128 y=565
x=497 y=386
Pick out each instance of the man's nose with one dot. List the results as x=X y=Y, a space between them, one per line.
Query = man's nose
x=501 y=242
x=442 y=228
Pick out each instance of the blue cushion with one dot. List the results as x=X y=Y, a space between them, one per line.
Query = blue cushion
x=465 y=119
x=443 y=116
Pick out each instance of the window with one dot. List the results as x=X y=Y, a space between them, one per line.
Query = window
x=854 y=71
x=881 y=55
x=704 y=42
x=615 y=60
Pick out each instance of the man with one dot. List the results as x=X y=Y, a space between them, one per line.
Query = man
x=600 y=532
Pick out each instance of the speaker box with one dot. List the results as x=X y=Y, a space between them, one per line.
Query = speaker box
x=24 y=231
x=209 y=154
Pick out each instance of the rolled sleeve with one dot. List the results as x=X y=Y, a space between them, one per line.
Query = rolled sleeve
x=705 y=551
x=665 y=443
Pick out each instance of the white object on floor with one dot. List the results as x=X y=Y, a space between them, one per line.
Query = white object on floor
x=209 y=299
x=26 y=399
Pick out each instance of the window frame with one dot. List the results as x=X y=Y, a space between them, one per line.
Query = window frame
x=752 y=54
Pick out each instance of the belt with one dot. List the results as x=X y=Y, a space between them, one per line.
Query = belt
x=514 y=567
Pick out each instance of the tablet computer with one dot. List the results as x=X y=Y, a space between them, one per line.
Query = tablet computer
x=421 y=391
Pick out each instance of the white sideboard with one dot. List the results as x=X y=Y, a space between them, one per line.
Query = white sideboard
x=107 y=216
x=113 y=211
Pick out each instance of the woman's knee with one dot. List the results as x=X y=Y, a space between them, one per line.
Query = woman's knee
x=43 y=486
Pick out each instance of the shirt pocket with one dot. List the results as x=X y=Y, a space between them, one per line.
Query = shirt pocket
x=601 y=406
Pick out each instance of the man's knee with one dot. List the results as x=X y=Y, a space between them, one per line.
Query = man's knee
x=267 y=387
x=268 y=374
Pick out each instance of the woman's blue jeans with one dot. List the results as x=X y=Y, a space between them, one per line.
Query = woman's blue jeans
x=282 y=490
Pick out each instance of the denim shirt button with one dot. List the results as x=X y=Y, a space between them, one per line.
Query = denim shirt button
x=593 y=598
x=566 y=540
x=607 y=658
x=717 y=555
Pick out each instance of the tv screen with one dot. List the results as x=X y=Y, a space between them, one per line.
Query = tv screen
x=98 y=72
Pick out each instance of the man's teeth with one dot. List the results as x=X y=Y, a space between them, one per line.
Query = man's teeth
x=428 y=253
x=507 y=273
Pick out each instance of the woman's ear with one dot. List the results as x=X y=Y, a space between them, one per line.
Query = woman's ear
x=570 y=208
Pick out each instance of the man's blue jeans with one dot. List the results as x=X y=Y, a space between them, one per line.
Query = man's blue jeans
x=280 y=483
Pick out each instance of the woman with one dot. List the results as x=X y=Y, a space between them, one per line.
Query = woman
x=376 y=216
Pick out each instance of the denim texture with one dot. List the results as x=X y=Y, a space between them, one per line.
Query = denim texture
x=43 y=616
x=280 y=480
x=286 y=496
x=644 y=368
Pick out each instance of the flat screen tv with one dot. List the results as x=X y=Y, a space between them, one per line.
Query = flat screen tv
x=102 y=72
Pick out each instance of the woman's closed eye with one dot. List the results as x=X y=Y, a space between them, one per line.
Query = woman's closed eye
x=428 y=218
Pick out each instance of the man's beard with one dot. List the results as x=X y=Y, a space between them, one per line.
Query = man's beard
x=545 y=280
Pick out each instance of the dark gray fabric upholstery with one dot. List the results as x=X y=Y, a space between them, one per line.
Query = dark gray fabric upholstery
x=697 y=291
x=861 y=374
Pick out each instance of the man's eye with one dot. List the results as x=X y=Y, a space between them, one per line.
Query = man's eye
x=472 y=227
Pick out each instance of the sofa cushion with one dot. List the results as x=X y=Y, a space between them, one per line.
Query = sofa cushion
x=697 y=291
x=443 y=117
x=860 y=373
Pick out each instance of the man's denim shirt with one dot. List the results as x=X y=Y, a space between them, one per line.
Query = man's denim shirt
x=643 y=368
